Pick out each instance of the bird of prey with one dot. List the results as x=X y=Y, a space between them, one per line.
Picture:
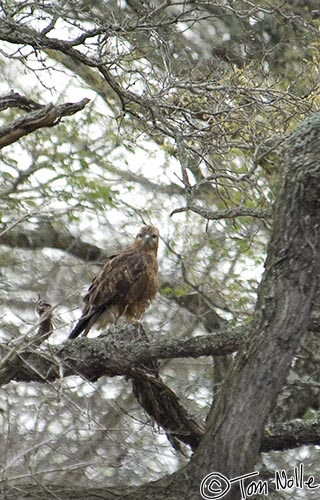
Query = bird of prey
x=125 y=285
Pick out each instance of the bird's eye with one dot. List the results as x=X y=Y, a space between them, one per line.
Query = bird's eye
x=154 y=236
x=139 y=235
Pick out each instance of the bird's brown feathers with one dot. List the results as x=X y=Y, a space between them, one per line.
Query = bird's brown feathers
x=126 y=284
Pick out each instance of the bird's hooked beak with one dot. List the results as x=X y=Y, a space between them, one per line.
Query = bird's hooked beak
x=150 y=241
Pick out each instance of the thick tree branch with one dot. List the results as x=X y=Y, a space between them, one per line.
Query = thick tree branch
x=46 y=236
x=46 y=116
x=15 y=100
x=290 y=435
x=94 y=358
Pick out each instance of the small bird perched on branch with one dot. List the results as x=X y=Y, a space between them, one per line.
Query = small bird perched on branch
x=126 y=284
x=45 y=312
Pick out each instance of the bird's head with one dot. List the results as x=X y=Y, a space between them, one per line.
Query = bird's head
x=148 y=238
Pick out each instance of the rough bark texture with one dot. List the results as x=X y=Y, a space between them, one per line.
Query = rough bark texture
x=43 y=116
x=94 y=358
x=291 y=435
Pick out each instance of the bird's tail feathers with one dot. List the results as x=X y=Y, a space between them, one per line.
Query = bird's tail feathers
x=82 y=324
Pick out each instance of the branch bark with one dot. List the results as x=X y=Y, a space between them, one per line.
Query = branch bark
x=47 y=236
x=15 y=100
x=290 y=435
x=94 y=358
x=46 y=116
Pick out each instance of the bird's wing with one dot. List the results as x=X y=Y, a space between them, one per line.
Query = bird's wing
x=111 y=287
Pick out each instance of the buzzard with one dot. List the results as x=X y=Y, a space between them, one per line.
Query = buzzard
x=126 y=284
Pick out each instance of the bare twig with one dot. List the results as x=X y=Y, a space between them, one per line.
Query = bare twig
x=229 y=213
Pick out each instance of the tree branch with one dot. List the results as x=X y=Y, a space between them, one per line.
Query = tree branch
x=290 y=435
x=47 y=236
x=47 y=116
x=15 y=100
x=94 y=358
x=229 y=213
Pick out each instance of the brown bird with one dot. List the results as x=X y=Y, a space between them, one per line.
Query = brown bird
x=126 y=284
